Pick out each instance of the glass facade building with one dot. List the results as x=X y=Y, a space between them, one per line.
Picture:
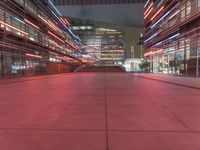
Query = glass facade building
x=35 y=39
x=172 y=36
x=105 y=43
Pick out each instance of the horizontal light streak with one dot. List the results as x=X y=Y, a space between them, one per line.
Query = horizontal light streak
x=55 y=36
x=54 y=26
x=47 y=22
x=166 y=14
x=148 y=13
x=55 y=7
x=150 y=6
x=32 y=55
x=10 y=46
x=157 y=12
x=146 y=3
x=151 y=37
x=19 y=20
x=59 y=19
x=55 y=43
x=174 y=14
x=13 y=27
x=32 y=24
x=153 y=52
x=70 y=44
x=67 y=21
x=160 y=19
x=171 y=37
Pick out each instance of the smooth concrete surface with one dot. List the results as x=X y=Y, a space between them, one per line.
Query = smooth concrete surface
x=175 y=79
x=99 y=111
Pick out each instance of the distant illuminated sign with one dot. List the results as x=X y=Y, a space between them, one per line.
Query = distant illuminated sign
x=81 y=27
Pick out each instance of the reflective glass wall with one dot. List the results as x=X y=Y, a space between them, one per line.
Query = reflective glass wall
x=172 y=37
x=35 y=39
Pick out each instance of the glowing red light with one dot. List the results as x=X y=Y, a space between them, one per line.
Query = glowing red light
x=67 y=22
x=42 y=18
x=32 y=24
x=157 y=12
x=146 y=11
x=53 y=26
x=35 y=56
x=13 y=27
x=55 y=44
x=71 y=44
x=55 y=36
x=49 y=23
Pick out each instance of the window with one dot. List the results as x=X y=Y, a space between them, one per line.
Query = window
x=198 y=3
x=30 y=6
x=182 y=12
x=32 y=34
x=188 y=7
x=21 y=2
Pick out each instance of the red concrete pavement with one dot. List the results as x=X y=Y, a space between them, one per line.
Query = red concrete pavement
x=99 y=111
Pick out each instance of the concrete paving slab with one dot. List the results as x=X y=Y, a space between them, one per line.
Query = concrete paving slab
x=190 y=115
x=99 y=111
x=54 y=140
x=68 y=117
x=142 y=118
x=154 y=141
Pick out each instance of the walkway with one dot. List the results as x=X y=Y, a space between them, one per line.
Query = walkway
x=99 y=111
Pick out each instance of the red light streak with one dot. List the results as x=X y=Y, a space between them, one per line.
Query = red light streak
x=5 y=45
x=55 y=44
x=46 y=21
x=12 y=46
x=35 y=56
x=158 y=51
x=32 y=24
x=157 y=12
x=63 y=20
x=62 y=58
x=148 y=54
x=42 y=18
x=71 y=44
x=53 y=26
x=55 y=36
x=67 y=22
x=50 y=24
x=13 y=27
x=146 y=11
x=65 y=58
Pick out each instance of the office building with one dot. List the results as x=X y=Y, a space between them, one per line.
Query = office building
x=171 y=39
x=35 y=39
x=104 y=43
x=78 y=81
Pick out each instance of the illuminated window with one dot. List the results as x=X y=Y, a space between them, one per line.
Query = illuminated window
x=30 y=6
x=188 y=7
x=198 y=3
x=182 y=12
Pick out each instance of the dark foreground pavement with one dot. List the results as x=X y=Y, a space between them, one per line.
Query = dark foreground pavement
x=99 y=111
